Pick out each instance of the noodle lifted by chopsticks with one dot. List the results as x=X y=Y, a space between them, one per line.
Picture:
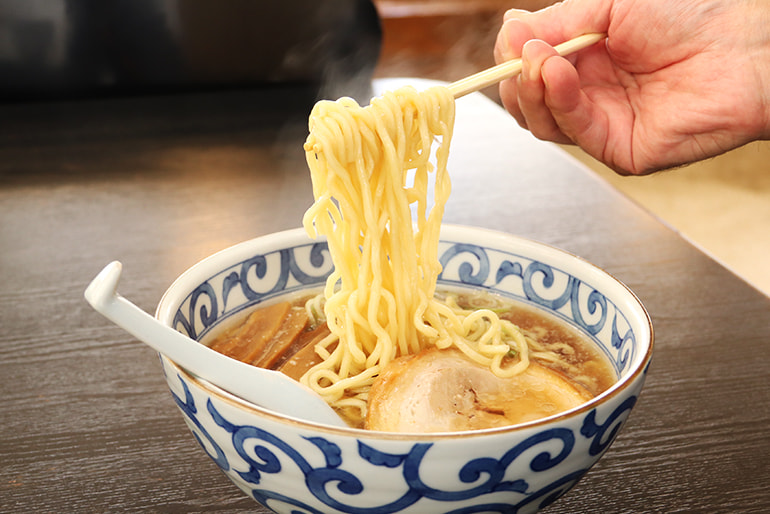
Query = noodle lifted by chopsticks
x=372 y=176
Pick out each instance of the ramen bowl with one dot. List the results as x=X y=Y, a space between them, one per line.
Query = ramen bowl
x=291 y=465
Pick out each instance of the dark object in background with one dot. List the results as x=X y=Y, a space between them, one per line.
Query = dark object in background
x=56 y=49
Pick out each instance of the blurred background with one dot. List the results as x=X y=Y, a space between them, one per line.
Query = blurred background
x=53 y=49
x=722 y=205
x=66 y=49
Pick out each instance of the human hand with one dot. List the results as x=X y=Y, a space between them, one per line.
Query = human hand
x=675 y=82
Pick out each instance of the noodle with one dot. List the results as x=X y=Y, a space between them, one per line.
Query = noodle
x=373 y=178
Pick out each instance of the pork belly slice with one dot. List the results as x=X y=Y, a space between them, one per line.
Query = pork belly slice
x=445 y=391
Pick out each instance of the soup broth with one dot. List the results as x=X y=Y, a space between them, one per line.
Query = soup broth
x=282 y=336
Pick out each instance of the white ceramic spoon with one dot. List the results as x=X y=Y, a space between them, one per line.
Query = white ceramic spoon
x=269 y=389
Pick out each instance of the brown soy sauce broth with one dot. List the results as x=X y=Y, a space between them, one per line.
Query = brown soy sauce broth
x=270 y=334
x=570 y=353
x=580 y=360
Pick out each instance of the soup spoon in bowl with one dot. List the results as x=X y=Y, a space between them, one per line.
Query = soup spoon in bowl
x=266 y=388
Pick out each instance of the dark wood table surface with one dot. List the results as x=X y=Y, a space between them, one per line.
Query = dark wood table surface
x=86 y=421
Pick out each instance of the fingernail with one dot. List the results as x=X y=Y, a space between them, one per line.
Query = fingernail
x=543 y=76
x=505 y=43
x=527 y=69
x=525 y=66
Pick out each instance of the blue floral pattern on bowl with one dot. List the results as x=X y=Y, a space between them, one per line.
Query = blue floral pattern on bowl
x=297 y=467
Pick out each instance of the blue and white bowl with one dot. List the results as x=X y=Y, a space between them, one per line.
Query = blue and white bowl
x=290 y=465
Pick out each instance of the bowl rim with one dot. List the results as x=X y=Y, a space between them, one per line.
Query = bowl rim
x=269 y=242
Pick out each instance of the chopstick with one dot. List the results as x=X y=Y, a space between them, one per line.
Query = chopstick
x=512 y=68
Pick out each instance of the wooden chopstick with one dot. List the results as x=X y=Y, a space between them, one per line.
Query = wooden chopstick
x=512 y=68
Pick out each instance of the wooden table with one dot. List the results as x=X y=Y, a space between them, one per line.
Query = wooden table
x=87 y=424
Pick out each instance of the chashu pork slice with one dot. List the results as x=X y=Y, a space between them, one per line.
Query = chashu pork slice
x=445 y=391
